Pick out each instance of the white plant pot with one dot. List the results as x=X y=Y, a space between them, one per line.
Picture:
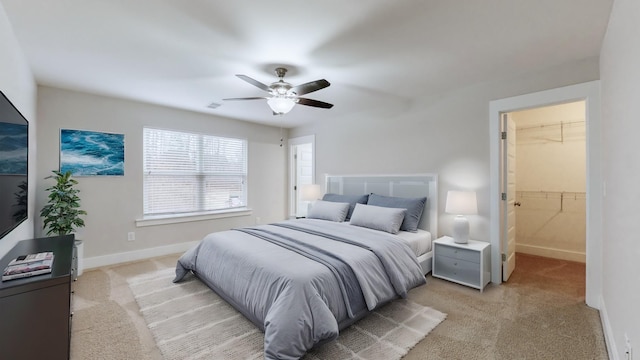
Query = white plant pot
x=79 y=244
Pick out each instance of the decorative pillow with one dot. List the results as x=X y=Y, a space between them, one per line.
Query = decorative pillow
x=327 y=210
x=351 y=199
x=414 y=207
x=378 y=218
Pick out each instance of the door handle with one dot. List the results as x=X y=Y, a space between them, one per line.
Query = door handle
x=517 y=203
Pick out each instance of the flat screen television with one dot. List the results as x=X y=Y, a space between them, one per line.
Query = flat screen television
x=14 y=166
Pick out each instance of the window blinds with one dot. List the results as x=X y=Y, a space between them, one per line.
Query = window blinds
x=188 y=172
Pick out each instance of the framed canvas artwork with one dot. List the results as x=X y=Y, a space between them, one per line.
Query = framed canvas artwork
x=91 y=153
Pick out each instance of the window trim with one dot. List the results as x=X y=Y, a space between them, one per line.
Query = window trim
x=154 y=220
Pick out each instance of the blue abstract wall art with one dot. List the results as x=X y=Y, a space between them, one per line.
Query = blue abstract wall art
x=87 y=153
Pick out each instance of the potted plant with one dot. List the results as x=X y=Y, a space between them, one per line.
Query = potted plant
x=62 y=212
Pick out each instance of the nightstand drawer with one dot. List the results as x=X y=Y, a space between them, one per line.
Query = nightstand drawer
x=459 y=270
x=458 y=253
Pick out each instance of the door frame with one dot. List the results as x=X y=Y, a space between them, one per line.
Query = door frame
x=590 y=93
x=292 y=167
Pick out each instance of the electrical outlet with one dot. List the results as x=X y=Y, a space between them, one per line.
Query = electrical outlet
x=628 y=352
x=258 y=220
x=131 y=236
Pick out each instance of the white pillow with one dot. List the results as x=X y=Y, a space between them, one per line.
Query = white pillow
x=328 y=210
x=378 y=218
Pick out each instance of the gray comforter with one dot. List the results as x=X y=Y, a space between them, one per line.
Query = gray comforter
x=300 y=281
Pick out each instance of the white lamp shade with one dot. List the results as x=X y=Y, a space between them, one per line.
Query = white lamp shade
x=310 y=192
x=281 y=105
x=461 y=203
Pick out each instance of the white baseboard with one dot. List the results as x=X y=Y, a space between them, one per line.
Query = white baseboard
x=608 y=332
x=551 y=253
x=112 y=259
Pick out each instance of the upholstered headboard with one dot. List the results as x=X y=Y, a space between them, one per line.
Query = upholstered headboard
x=392 y=185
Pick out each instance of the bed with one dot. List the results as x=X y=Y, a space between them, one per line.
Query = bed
x=403 y=186
x=301 y=281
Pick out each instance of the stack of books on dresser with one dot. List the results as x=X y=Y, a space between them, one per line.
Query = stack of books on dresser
x=28 y=265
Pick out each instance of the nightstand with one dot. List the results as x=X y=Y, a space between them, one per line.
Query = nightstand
x=467 y=264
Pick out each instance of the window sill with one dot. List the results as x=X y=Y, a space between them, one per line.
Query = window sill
x=182 y=218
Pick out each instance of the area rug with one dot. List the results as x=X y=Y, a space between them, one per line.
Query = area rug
x=189 y=321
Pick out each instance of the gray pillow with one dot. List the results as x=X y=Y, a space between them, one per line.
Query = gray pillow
x=414 y=207
x=351 y=199
x=378 y=218
x=327 y=210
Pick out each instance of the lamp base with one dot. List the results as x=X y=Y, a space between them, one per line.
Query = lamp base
x=309 y=206
x=460 y=229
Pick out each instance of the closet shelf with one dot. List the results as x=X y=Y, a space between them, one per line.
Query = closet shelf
x=553 y=132
x=555 y=195
x=551 y=194
x=553 y=126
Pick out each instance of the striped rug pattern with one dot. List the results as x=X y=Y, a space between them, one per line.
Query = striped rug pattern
x=189 y=321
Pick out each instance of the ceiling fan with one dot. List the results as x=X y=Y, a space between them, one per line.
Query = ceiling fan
x=283 y=95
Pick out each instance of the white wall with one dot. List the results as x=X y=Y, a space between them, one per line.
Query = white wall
x=16 y=82
x=445 y=134
x=114 y=203
x=620 y=74
x=551 y=162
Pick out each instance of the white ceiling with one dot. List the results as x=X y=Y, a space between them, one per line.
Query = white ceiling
x=375 y=53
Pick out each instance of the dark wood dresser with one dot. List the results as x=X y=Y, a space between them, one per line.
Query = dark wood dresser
x=35 y=312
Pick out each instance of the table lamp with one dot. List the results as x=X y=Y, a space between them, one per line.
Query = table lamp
x=310 y=193
x=461 y=203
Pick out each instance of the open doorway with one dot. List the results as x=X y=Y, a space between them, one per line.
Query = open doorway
x=548 y=223
x=590 y=93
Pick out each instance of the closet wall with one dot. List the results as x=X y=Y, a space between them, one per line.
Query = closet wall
x=551 y=181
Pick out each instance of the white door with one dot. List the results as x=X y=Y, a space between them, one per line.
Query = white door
x=509 y=196
x=301 y=171
x=304 y=175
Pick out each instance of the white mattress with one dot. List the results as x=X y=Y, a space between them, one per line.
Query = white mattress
x=420 y=242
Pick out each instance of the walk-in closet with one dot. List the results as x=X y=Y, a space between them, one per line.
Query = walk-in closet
x=551 y=181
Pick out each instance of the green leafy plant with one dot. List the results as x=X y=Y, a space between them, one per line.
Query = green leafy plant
x=62 y=212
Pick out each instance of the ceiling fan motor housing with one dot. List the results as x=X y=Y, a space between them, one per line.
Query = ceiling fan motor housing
x=281 y=88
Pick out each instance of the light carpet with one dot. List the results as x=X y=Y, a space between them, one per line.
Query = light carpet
x=189 y=321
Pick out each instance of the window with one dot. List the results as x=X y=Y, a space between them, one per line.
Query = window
x=191 y=173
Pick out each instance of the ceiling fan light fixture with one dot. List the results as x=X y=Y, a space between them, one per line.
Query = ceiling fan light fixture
x=281 y=105
x=284 y=96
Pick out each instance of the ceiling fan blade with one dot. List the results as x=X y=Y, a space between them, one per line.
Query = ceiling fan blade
x=246 y=98
x=314 y=103
x=310 y=87
x=254 y=82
